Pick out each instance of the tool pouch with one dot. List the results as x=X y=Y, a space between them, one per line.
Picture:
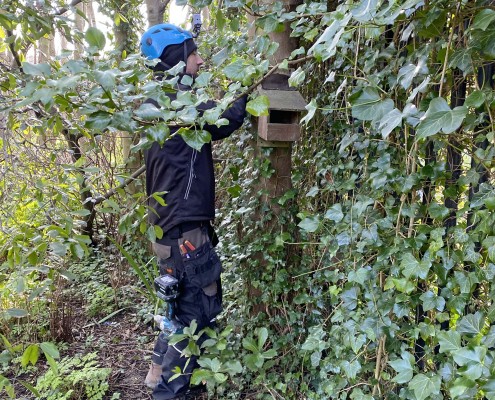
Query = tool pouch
x=203 y=267
x=203 y=270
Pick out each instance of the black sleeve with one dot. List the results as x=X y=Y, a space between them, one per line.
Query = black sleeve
x=235 y=114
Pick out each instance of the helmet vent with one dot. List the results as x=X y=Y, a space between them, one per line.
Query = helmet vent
x=149 y=41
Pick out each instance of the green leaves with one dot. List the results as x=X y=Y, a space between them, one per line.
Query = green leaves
x=297 y=77
x=412 y=268
x=367 y=105
x=258 y=106
x=195 y=138
x=471 y=324
x=95 y=38
x=440 y=118
x=158 y=133
x=424 y=386
x=41 y=69
x=449 y=341
x=326 y=45
x=309 y=224
x=240 y=70
x=364 y=10
x=30 y=355
x=404 y=368
x=483 y=19
x=256 y=359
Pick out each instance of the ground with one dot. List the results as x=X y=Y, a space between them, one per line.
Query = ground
x=122 y=344
x=124 y=352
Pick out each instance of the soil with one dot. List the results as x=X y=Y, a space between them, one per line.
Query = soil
x=121 y=343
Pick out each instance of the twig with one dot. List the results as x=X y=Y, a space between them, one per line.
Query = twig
x=65 y=9
x=270 y=72
x=451 y=36
x=112 y=191
x=378 y=366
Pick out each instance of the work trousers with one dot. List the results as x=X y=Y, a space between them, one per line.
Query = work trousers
x=200 y=299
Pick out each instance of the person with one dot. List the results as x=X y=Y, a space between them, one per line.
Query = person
x=186 y=177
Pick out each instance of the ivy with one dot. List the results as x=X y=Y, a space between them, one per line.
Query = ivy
x=372 y=275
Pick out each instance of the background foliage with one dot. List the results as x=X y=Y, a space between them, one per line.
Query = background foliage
x=376 y=278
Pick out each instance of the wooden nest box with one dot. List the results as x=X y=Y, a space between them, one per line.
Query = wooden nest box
x=286 y=104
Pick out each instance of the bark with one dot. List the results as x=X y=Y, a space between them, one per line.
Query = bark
x=155 y=10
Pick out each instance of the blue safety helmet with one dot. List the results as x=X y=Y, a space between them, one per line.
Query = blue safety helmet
x=157 y=38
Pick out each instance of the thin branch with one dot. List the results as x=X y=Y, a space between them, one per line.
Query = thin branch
x=270 y=72
x=65 y=9
x=451 y=36
x=12 y=50
x=112 y=191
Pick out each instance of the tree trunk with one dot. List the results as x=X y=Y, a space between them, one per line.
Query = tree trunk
x=155 y=10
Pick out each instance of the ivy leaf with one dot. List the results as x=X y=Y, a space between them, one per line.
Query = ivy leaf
x=325 y=46
x=408 y=72
x=195 y=138
x=489 y=338
x=235 y=70
x=471 y=324
x=483 y=19
x=297 y=77
x=309 y=224
x=389 y=122
x=364 y=10
x=465 y=356
x=413 y=268
x=350 y=298
x=489 y=387
x=158 y=133
x=351 y=369
x=404 y=368
x=438 y=211
x=440 y=118
x=258 y=106
x=369 y=106
x=335 y=213
x=95 y=38
x=476 y=98
x=460 y=386
x=432 y=301
x=449 y=341
x=311 y=107
x=423 y=386
x=462 y=59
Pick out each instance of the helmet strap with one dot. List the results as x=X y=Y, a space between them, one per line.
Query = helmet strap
x=165 y=65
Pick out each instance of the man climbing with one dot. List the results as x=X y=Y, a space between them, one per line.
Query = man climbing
x=186 y=177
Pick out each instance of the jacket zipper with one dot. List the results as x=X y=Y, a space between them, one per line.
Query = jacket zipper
x=191 y=174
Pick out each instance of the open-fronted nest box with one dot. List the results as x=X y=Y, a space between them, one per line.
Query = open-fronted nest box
x=286 y=104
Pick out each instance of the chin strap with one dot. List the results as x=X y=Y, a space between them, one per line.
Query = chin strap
x=167 y=67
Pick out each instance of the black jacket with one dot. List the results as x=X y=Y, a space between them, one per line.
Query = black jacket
x=186 y=174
